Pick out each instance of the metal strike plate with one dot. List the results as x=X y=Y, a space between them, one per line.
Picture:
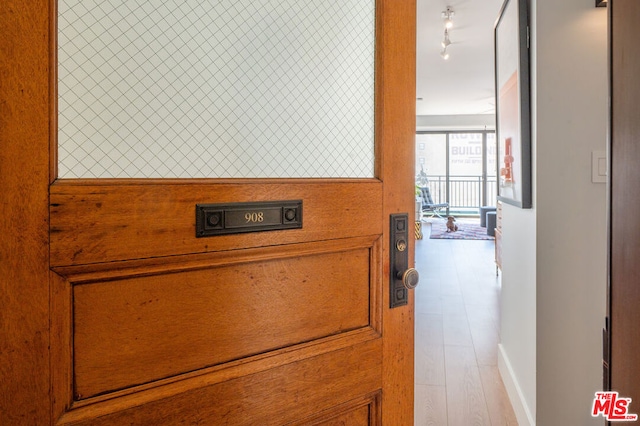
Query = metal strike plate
x=235 y=218
x=399 y=262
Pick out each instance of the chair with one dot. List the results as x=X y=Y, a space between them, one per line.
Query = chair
x=428 y=206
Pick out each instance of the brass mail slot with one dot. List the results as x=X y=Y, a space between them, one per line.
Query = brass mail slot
x=222 y=219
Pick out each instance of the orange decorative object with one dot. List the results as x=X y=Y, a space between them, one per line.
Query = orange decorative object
x=507 y=170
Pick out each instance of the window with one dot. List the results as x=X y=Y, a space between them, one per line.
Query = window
x=460 y=168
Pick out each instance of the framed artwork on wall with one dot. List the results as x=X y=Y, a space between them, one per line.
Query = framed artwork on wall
x=513 y=111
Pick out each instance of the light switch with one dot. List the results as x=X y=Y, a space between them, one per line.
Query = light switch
x=602 y=166
x=598 y=166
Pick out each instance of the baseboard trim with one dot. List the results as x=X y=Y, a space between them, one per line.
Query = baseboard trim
x=520 y=407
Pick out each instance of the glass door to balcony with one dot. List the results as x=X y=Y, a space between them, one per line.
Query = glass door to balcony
x=459 y=168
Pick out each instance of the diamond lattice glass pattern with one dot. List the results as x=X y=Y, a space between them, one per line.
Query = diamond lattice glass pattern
x=226 y=88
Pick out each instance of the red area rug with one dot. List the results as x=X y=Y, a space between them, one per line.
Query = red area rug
x=466 y=231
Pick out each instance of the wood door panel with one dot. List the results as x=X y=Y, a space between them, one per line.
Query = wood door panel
x=135 y=330
x=359 y=417
x=286 y=394
x=98 y=221
x=64 y=235
x=354 y=413
x=624 y=269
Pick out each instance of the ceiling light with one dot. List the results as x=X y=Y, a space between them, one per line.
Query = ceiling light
x=444 y=54
x=445 y=42
x=448 y=23
x=448 y=15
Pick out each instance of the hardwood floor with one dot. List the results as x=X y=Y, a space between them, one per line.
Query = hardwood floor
x=457 y=335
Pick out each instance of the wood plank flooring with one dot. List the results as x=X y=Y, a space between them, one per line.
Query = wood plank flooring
x=457 y=336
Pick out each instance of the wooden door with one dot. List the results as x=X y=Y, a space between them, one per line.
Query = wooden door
x=624 y=288
x=113 y=311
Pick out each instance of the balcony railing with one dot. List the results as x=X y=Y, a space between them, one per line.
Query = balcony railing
x=463 y=193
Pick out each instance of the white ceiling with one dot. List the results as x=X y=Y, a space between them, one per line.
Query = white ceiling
x=463 y=84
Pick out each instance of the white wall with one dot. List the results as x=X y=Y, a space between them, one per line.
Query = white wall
x=517 y=355
x=555 y=254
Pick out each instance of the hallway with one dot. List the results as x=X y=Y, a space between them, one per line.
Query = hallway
x=457 y=326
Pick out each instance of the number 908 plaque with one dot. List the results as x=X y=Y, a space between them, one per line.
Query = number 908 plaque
x=222 y=219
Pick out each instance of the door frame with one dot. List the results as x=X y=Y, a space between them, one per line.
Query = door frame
x=28 y=128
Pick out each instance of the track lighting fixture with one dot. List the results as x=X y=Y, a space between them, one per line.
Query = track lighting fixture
x=445 y=41
x=448 y=23
x=448 y=15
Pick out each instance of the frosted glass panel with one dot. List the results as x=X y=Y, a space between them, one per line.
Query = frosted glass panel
x=226 y=88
